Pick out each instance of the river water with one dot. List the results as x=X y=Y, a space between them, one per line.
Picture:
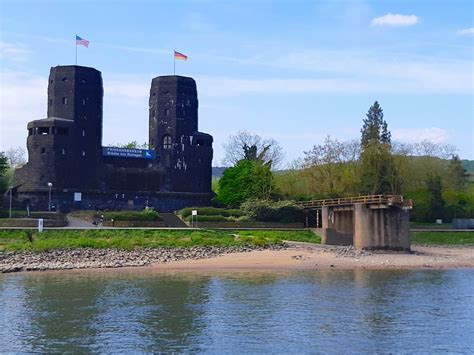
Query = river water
x=144 y=310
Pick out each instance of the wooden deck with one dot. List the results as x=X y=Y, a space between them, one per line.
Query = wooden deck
x=389 y=200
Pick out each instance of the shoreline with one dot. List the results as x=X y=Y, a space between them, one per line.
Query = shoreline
x=320 y=257
x=290 y=257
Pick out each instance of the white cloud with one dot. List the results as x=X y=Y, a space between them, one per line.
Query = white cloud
x=13 y=52
x=395 y=20
x=131 y=90
x=342 y=71
x=466 y=32
x=22 y=99
x=415 y=135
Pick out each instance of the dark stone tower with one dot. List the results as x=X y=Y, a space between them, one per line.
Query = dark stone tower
x=185 y=153
x=76 y=93
x=65 y=149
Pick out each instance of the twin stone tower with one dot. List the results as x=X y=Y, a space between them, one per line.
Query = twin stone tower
x=66 y=156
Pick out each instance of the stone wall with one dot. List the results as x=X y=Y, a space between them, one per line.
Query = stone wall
x=95 y=200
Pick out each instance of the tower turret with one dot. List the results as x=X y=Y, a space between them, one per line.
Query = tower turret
x=185 y=153
x=76 y=93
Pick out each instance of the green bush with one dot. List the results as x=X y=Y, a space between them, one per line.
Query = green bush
x=208 y=218
x=211 y=211
x=15 y=213
x=269 y=211
x=146 y=215
x=458 y=204
x=421 y=211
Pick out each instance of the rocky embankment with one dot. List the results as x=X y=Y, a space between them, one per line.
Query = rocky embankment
x=112 y=258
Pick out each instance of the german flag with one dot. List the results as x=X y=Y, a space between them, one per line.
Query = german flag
x=180 y=56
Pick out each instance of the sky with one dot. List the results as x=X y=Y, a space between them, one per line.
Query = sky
x=295 y=71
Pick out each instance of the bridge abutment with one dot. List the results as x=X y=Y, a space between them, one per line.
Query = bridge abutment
x=366 y=222
x=387 y=227
x=337 y=226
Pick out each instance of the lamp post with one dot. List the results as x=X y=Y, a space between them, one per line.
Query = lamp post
x=50 y=185
x=11 y=187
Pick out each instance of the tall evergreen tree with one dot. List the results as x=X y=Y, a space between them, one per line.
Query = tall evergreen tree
x=457 y=174
x=436 y=202
x=379 y=174
x=375 y=129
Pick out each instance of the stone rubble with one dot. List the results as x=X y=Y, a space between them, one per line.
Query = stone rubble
x=346 y=251
x=112 y=258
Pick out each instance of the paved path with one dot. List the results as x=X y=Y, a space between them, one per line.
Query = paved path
x=172 y=220
x=74 y=222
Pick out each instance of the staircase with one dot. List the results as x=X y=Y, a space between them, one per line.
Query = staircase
x=172 y=220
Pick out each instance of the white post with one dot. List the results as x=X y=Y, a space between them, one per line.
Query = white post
x=49 y=203
x=194 y=213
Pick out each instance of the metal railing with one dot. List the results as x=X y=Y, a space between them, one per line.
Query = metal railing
x=346 y=201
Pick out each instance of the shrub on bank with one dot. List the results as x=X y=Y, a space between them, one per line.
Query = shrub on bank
x=207 y=218
x=5 y=213
x=211 y=211
x=269 y=211
x=146 y=215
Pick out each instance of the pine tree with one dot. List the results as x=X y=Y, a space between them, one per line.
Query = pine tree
x=379 y=174
x=375 y=129
x=457 y=174
x=436 y=202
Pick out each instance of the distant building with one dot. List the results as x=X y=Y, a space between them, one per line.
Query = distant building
x=65 y=149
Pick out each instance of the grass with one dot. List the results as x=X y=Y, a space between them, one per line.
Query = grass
x=145 y=215
x=17 y=240
x=275 y=235
x=425 y=225
x=443 y=238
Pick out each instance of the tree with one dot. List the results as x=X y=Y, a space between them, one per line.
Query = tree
x=131 y=145
x=245 y=145
x=247 y=179
x=457 y=175
x=379 y=174
x=436 y=202
x=4 y=183
x=332 y=161
x=16 y=156
x=375 y=128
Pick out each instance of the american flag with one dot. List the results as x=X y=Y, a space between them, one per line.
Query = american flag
x=82 y=42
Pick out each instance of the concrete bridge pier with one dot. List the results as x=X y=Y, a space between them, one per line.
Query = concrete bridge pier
x=381 y=227
x=366 y=222
x=337 y=226
x=366 y=226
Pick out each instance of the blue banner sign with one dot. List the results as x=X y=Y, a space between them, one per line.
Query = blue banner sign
x=128 y=153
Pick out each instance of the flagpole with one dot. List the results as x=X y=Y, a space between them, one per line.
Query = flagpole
x=76 y=49
x=174 y=63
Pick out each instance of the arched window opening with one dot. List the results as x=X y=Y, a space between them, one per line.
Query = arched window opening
x=167 y=142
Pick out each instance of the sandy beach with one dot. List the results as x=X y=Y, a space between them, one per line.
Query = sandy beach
x=308 y=257
x=292 y=256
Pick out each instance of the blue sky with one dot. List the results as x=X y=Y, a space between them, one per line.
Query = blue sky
x=294 y=71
